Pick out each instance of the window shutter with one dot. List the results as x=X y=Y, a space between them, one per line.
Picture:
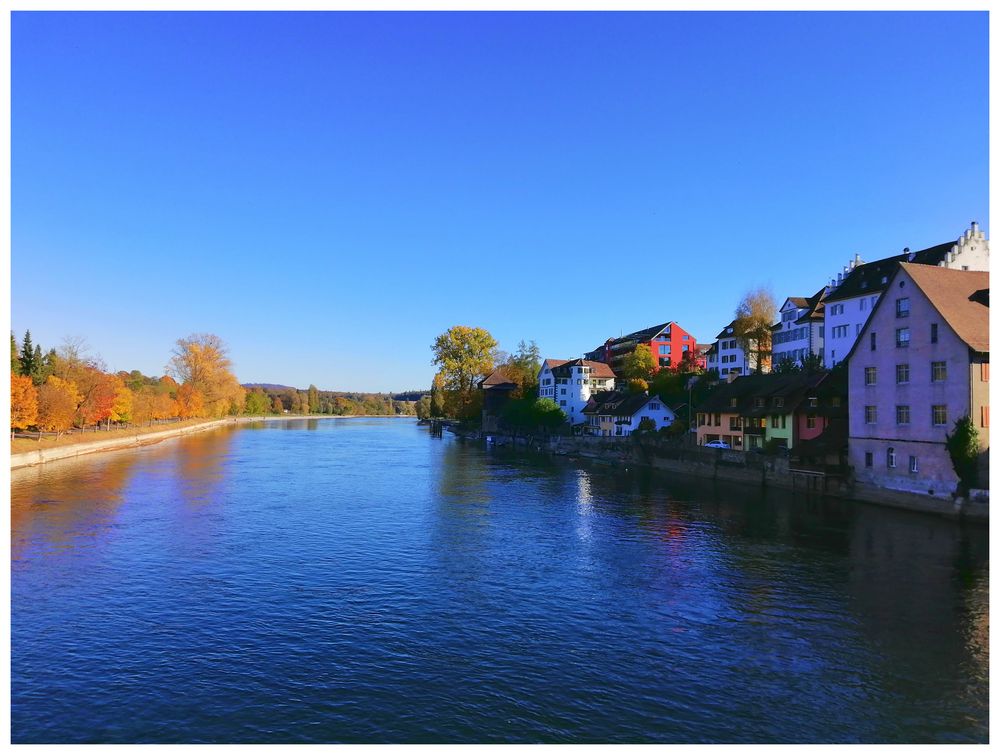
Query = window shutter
x=985 y=411
x=985 y=374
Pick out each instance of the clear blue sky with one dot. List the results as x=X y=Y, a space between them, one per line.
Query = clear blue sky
x=327 y=192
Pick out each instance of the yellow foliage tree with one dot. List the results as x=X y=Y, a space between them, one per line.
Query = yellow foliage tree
x=202 y=361
x=23 y=402
x=190 y=402
x=57 y=403
x=121 y=406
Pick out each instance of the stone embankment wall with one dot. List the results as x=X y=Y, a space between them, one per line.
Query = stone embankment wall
x=739 y=467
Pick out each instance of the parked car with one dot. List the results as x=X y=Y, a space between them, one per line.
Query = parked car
x=717 y=444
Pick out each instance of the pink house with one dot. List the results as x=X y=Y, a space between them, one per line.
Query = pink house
x=920 y=363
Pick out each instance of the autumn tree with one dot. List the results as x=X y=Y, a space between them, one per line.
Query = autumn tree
x=313 y=399
x=23 y=402
x=752 y=327
x=522 y=367
x=190 y=402
x=121 y=406
x=201 y=360
x=57 y=403
x=637 y=385
x=97 y=392
x=464 y=356
x=276 y=406
x=639 y=365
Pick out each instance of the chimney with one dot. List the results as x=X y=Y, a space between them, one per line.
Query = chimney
x=975 y=228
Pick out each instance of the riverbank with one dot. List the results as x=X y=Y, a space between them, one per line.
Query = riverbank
x=736 y=466
x=48 y=451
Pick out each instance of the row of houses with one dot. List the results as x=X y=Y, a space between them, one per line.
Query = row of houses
x=905 y=345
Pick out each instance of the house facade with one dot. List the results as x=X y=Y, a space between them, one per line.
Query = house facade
x=617 y=413
x=669 y=344
x=800 y=331
x=920 y=364
x=729 y=355
x=571 y=383
x=853 y=296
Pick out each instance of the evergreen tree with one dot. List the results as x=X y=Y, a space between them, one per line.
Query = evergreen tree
x=15 y=360
x=27 y=355
x=37 y=366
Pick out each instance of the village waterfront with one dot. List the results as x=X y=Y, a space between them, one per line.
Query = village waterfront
x=357 y=580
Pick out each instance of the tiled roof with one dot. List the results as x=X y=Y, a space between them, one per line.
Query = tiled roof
x=550 y=363
x=723 y=333
x=625 y=404
x=496 y=379
x=597 y=369
x=961 y=297
x=873 y=277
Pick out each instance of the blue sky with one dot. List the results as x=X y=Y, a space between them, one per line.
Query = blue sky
x=327 y=192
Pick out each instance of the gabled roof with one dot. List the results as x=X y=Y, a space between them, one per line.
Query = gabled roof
x=814 y=307
x=497 y=379
x=961 y=297
x=873 y=277
x=597 y=369
x=800 y=302
x=727 y=331
x=622 y=404
x=550 y=363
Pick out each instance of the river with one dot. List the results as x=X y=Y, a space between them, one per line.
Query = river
x=355 y=580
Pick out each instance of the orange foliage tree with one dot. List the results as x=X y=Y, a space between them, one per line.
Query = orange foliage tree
x=121 y=407
x=57 y=403
x=98 y=391
x=190 y=402
x=23 y=402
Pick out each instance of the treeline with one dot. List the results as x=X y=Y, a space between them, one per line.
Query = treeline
x=282 y=400
x=65 y=388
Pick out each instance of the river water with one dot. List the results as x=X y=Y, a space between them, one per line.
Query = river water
x=355 y=580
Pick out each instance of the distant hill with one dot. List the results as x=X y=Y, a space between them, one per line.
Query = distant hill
x=278 y=388
x=269 y=386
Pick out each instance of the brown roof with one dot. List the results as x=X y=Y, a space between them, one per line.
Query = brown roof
x=497 y=378
x=961 y=297
x=550 y=363
x=597 y=369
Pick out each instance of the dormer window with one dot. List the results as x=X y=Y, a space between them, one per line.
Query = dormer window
x=758 y=403
x=732 y=403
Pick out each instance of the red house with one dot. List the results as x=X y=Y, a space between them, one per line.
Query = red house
x=669 y=344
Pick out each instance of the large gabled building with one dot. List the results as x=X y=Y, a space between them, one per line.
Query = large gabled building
x=921 y=363
x=853 y=296
x=800 y=331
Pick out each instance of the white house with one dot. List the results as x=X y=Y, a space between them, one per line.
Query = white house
x=729 y=356
x=571 y=384
x=800 y=331
x=617 y=413
x=852 y=297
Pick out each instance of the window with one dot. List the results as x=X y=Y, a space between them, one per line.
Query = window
x=779 y=401
x=934 y=332
x=775 y=419
x=890 y=458
x=840 y=331
x=732 y=402
x=813 y=401
x=871 y=337
x=664 y=348
x=902 y=373
x=562 y=391
x=939 y=372
x=718 y=420
x=654 y=406
x=837 y=309
x=835 y=401
x=869 y=459
x=903 y=307
x=913 y=464
x=902 y=338
x=939 y=414
x=687 y=338
x=869 y=376
x=902 y=414
x=734 y=423
x=870 y=415
x=758 y=403
x=863 y=305
x=811 y=421
x=562 y=403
